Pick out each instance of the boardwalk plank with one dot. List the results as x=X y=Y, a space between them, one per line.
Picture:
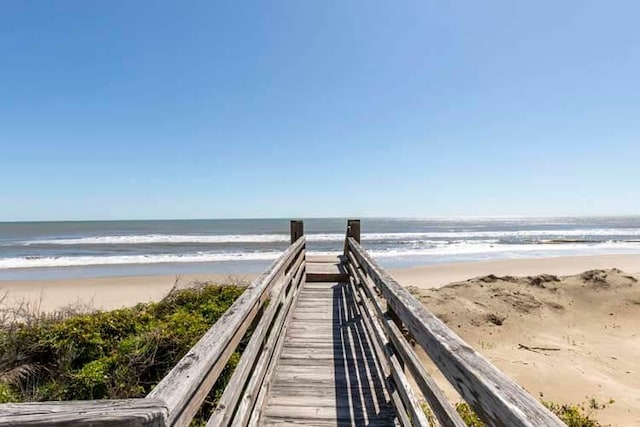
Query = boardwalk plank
x=327 y=373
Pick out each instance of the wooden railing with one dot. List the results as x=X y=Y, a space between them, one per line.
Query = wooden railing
x=264 y=305
x=393 y=314
x=190 y=381
x=394 y=319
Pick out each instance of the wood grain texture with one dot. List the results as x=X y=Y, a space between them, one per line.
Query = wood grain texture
x=498 y=399
x=408 y=404
x=260 y=401
x=442 y=409
x=353 y=225
x=125 y=413
x=188 y=383
x=353 y=230
x=327 y=372
x=229 y=400
x=297 y=230
x=324 y=270
x=251 y=397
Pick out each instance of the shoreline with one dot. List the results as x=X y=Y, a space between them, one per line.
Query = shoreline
x=433 y=276
x=112 y=292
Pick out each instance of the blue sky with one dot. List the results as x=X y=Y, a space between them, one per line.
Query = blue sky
x=200 y=109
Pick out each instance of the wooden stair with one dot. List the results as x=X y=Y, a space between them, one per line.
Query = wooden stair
x=326 y=268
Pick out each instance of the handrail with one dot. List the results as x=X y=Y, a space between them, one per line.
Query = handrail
x=178 y=397
x=442 y=409
x=125 y=412
x=497 y=399
x=388 y=311
x=186 y=386
x=242 y=388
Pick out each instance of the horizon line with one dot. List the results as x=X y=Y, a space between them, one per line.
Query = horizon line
x=408 y=218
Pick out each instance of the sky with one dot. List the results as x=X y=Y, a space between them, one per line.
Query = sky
x=200 y=109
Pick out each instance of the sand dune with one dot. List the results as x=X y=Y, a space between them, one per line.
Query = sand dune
x=568 y=337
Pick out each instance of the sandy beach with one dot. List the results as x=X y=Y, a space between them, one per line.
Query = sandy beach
x=567 y=335
x=120 y=291
x=104 y=293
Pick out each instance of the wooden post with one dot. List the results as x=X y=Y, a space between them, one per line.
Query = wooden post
x=354 y=229
x=297 y=230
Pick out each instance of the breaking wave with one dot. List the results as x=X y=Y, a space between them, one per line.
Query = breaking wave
x=559 y=236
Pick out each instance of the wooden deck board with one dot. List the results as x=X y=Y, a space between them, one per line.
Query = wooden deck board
x=325 y=258
x=327 y=373
x=325 y=269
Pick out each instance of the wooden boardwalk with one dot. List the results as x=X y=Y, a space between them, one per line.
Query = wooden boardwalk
x=325 y=341
x=327 y=373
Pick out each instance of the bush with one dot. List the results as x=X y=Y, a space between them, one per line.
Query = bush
x=467 y=414
x=580 y=415
x=108 y=355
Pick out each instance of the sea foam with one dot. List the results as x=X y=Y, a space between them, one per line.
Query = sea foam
x=441 y=249
x=327 y=237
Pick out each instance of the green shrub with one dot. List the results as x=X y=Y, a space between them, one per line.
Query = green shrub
x=580 y=415
x=7 y=394
x=467 y=414
x=112 y=354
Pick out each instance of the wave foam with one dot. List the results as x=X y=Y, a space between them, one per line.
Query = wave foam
x=162 y=238
x=79 y=261
x=464 y=248
x=508 y=250
x=326 y=237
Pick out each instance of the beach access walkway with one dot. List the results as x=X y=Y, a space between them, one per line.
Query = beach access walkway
x=324 y=341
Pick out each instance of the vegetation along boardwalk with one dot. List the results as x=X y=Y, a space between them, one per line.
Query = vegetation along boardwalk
x=329 y=341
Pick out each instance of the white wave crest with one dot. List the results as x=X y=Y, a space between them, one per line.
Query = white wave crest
x=326 y=237
x=452 y=250
x=507 y=250
x=162 y=238
x=586 y=232
x=78 y=261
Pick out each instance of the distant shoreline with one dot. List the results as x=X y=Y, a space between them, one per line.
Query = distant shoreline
x=119 y=291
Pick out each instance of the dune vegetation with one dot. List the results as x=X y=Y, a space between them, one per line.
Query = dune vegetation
x=78 y=355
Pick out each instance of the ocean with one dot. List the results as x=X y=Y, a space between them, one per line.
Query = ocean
x=58 y=250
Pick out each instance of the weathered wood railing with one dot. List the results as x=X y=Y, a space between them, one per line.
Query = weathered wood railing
x=178 y=397
x=392 y=313
x=391 y=316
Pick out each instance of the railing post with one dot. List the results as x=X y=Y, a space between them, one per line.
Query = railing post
x=353 y=230
x=297 y=230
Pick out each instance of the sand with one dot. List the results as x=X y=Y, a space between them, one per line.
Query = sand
x=570 y=338
x=103 y=293
x=439 y=275
x=589 y=323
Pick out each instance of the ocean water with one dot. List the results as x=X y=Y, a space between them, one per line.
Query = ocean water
x=34 y=250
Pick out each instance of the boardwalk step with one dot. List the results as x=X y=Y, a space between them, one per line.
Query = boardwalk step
x=327 y=372
x=326 y=269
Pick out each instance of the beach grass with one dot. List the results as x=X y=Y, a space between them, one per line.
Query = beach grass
x=78 y=355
